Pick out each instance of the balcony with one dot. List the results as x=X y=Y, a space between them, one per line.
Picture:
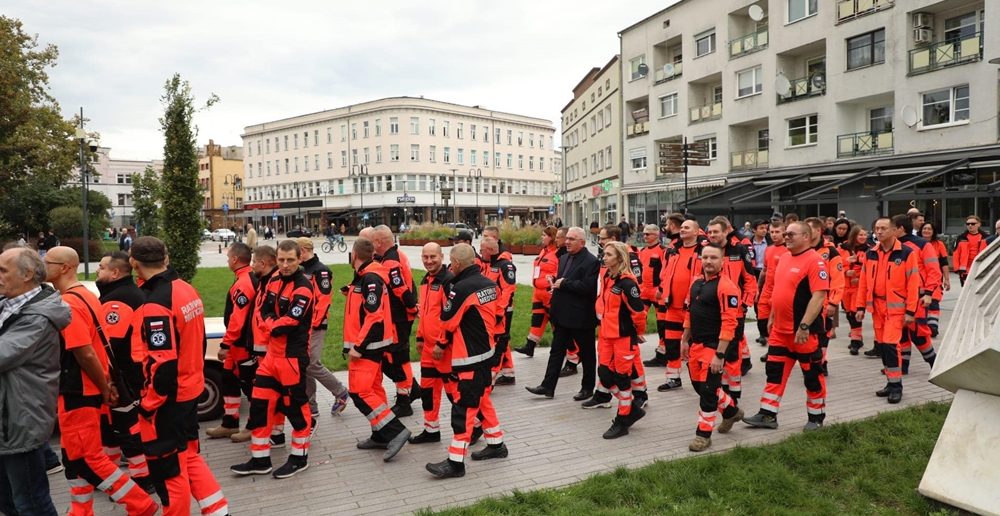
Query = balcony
x=637 y=129
x=867 y=143
x=706 y=112
x=661 y=74
x=947 y=53
x=746 y=160
x=803 y=88
x=848 y=10
x=748 y=44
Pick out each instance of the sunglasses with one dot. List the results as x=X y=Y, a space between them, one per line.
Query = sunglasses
x=971 y=223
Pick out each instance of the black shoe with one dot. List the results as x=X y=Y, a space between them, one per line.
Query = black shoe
x=905 y=367
x=824 y=368
x=934 y=332
x=640 y=399
x=492 y=451
x=294 y=465
x=528 y=349
x=372 y=444
x=254 y=466
x=618 y=429
x=762 y=420
x=277 y=440
x=895 y=396
x=583 y=395
x=446 y=469
x=745 y=366
x=426 y=437
x=567 y=370
x=883 y=392
x=873 y=353
x=635 y=415
x=395 y=445
x=762 y=341
x=598 y=400
x=541 y=391
x=477 y=433
x=763 y=358
x=672 y=384
x=402 y=407
x=658 y=361
x=505 y=380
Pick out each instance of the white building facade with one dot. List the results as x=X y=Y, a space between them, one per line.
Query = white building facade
x=393 y=160
x=592 y=145
x=867 y=106
x=113 y=178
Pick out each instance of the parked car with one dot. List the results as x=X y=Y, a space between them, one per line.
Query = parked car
x=299 y=232
x=210 y=403
x=206 y=234
x=223 y=234
x=456 y=225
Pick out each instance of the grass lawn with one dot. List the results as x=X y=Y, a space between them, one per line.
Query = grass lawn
x=871 y=466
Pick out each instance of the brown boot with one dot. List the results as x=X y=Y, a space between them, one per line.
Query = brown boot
x=700 y=444
x=220 y=431
x=241 y=437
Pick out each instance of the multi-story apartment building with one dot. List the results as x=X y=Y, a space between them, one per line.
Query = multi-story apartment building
x=394 y=160
x=592 y=145
x=815 y=106
x=220 y=175
x=113 y=178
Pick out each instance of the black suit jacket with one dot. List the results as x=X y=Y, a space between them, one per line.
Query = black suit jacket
x=573 y=302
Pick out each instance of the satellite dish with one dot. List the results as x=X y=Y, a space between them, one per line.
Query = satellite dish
x=643 y=69
x=756 y=13
x=909 y=115
x=818 y=81
x=668 y=70
x=782 y=85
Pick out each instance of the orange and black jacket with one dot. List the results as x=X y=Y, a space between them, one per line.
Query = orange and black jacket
x=430 y=329
x=713 y=310
x=239 y=311
x=286 y=315
x=368 y=326
x=258 y=333
x=501 y=271
x=928 y=262
x=788 y=290
x=402 y=289
x=734 y=238
x=634 y=263
x=169 y=341
x=546 y=264
x=322 y=280
x=469 y=318
x=967 y=247
x=652 y=259
x=835 y=268
x=676 y=269
x=619 y=307
x=892 y=275
x=119 y=301
x=851 y=281
x=737 y=265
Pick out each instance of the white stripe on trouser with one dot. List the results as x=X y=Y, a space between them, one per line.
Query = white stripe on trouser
x=601 y=388
x=278 y=429
x=433 y=428
x=385 y=421
x=301 y=449
x=376 y=411
x=80 y=483
x=673 y=372
x=221 y=511
x=262 y=441
x=457 y=445
x=810 y=410
x=110 y=481
x=210 y=500
x=772 y=397
x=119 y=494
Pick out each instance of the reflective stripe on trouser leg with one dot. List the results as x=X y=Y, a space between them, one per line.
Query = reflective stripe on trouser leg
x=777 y=370
x=539 y=317
x=204 y=487
x=430 y=397
x=892 y=358
x=732 y=378
x=492 y=433
x=365 y=386
x=264 y=414
x=638 y=373
x=396 y=360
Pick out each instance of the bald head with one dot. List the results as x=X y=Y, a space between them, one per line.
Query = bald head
x=463 y=256
x=60 y=270
x=432 y=257
x=366 y=233
x=488 y=247
x=382 y=238
x=64 y=254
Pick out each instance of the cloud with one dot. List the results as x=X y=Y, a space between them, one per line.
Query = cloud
x=270 y=60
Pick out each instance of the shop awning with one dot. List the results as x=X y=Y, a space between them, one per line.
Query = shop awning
x=721 y=191
x=808 y=194
x=768 y=189
x=902 y=185
x=670 y=187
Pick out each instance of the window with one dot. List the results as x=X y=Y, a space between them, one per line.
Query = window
x=305 y=163
x=447 y=154
x=430 y=126
x=378 y=154
x=583 y=127
x=748 y=82
x=329 y=135
x=668 y=105
x=305 y=140
x=316 y=137
x=510 y=137
x=343 y=132
x=414 y=152
x=496 y=137
x=541 y=164
x=267 y=145
x=287 y=168
x=394 y=152
x=531 y=163
x=472 y=157
x=414 y=125
x=531 y=139
x=472 y=131
x=269 y=167
x=124 y=179
x=458 y=130
x=803 y=130
x=354 y=156
x=717 y=95
x=393 y=125
x=520 y=161
x=496 y=159
x=295 y=139
x=866 y=49
x=637 y=157
x=432 y=154
x=704 y=43
x=598 y=120
x=607 y=116
x=541 y=141
x=510 y=160
x=799 y=9
x=444 y=128
x=880 y=120
x=712 y=145
x=607 y=152
x=763 y=139
x=364 y=128
x=378 y=127
x=946 y=106
x=286 y=142
x=637 y=65
x=520 y=138
x=960 y=27
x=461 y=156
x=586 y=167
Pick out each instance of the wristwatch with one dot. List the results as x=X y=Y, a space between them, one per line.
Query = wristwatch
x=719 y=354
x=804 y=327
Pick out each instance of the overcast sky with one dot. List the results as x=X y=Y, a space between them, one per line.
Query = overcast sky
x=270 y=60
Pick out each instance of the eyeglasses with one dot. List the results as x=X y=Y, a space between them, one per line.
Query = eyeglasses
x=789 y=234
x=971 y=223
x=54 y=263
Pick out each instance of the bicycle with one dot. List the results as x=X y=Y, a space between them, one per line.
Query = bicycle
x=334 y=242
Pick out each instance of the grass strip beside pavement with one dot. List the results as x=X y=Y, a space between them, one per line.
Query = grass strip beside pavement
x=871 y=466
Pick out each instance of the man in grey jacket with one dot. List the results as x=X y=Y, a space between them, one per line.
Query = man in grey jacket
x=31 y=316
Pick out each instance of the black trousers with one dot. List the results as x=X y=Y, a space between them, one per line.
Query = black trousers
x=586 y=343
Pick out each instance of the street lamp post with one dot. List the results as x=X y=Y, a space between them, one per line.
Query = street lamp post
x=454 y=188
x=361 y=172
x=237 y=182
x=499 y=191
x=298 y=202
x=478 y=174
x=81 y=135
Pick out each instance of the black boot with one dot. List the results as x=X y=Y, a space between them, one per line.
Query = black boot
x=619 y=428
x=491 y=451
x=446 y=469
x=426 y=437
x=294 y=465
x=745 y=366
x=873 y=353
x=402 y=407
x=528 y=349
x=855 y=346
x=568 y=370
x=660 y=360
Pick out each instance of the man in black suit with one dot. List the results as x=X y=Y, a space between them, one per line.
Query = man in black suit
x=574 y=292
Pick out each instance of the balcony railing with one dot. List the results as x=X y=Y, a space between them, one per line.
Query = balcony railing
x=748 y=44
x=868 y=143
x=850 y=9
x=804 y=87
x=662 y=76
x=946 y=53
x=706 y=112
x=744 y=160
x=636 y=129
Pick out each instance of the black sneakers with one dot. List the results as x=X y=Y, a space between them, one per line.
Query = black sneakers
x=277 y=440
x=505 y=380
x=528 y=349
x=294 y=465
x=762 y=419
x=254 y=466
x=395 y=445
x=426 y=437
x=402 y=407
x=568 y=370
x=491 y=451
x=446 y=469
x=672 y=384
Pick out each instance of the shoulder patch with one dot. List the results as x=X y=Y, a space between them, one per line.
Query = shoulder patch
x=486 y=295
x=241 y=300
x=733 y=301
x=112 y=318
x=823 y=275
x=634 y=292
x=395 y=278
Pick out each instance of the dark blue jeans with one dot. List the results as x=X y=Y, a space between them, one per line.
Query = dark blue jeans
x=24 y=485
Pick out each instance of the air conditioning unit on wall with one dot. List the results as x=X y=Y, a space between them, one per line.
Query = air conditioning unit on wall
x=923 y=36
x=923 y=20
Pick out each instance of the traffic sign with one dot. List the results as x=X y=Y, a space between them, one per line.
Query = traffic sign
x=500 y=211
x=552 y=210
x=225 y=207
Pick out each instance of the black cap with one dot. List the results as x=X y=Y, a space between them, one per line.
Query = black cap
x=463 y=234
x=777 y=216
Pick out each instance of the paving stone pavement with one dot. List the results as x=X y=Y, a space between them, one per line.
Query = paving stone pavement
x=552 y=442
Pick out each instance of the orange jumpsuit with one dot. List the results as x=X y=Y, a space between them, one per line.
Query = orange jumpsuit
x=682 y=267
x=621 y=313
x=546 y=264
x=239 y=341
x=430 y=331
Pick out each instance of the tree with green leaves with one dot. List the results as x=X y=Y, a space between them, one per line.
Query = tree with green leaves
x=146 y=199
x=181 y=194
x=37 y=148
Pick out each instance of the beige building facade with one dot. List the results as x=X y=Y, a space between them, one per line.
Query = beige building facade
x=393 y=160
x=220 y=176
x=867 y=106
x=592 y=146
